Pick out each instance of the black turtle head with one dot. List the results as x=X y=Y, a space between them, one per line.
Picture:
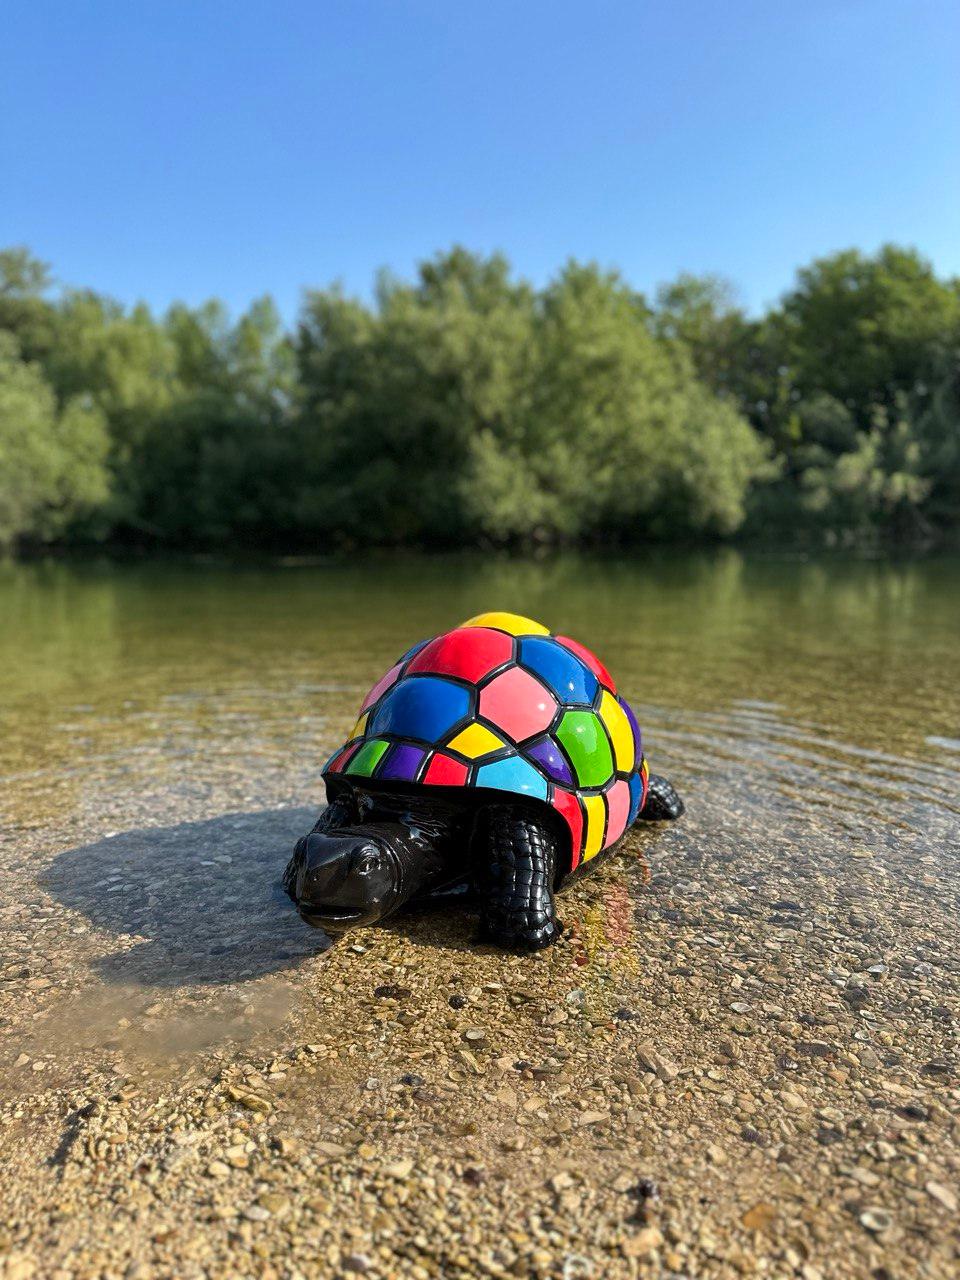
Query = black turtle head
x=348 y=879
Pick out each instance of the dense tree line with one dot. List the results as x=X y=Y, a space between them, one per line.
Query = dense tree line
x=468 y=407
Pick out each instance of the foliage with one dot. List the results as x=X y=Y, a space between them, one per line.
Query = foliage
x=467 y=407
x=51 y=458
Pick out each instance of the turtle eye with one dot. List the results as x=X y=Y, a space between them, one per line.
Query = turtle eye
x=368 y=860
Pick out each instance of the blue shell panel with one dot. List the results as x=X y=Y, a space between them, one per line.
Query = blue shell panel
x=560 y=669
x=513 y=774
x=636 y=797
x=423 y=707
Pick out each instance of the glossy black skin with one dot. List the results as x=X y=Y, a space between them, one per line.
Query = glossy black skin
x=378 y=846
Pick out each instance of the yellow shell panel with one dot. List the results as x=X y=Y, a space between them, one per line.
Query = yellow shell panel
x=621 y=735
x=512 y=623
x=596 y=821
x=475 y=740
x=360 y=728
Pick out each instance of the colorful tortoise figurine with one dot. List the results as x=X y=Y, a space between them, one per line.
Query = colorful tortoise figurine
x=497 y=758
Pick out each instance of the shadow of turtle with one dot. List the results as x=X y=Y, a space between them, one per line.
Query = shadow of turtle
x=202 y=900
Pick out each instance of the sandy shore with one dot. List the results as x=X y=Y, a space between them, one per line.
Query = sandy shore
x=740 y=1060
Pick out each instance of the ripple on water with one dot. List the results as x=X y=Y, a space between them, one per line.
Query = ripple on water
x=802 y=764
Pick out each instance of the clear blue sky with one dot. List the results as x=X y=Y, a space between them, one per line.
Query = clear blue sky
x=165 y=149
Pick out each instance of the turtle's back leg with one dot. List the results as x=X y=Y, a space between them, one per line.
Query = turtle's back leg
x=516 y=869
x=662 y=802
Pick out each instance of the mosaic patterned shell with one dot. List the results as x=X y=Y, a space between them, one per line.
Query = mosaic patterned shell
x=499 y=702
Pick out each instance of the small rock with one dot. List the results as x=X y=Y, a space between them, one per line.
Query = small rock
x=815 y=1048
x=252 y=1101
x=643 y=1243
x=655 y=1062
x=358 y=1263
x=274 y=1203
x=19 y=1267
x=938 y=1067
x=592 y=1117
x=856 y=997
x=876 y=1220
x=760 y=1217
x=943 y=1194
x=400 y=1169
x=287 y=1146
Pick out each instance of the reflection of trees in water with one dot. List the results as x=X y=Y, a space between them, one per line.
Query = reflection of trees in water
x=89 y=651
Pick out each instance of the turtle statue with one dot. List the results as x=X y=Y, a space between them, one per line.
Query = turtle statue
x=496 y=759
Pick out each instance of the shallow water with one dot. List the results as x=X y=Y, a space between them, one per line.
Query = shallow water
x=833 y=682
x=163 y=727
x=788 y=945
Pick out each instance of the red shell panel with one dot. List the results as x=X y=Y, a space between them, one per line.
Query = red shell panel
x=341 y=759
x=444 y=771
x=568 y=806
x=469 y=653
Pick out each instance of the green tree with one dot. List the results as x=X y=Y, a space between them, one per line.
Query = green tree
x=52 y=459
x=394 y=396
x=467 y=406
x=25 y=310
x=866 y=329
x=615 y=437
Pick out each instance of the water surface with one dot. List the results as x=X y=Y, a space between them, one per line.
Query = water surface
x=832 y=683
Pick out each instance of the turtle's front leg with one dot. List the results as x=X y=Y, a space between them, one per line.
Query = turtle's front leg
x=516 y=870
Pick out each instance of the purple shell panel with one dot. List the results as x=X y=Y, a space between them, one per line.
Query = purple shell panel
x=635 y=728
x=551 y=759
x=402 y=763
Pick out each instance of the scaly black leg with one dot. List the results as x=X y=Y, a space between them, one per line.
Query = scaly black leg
x=662 y=802
x=516 y=870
